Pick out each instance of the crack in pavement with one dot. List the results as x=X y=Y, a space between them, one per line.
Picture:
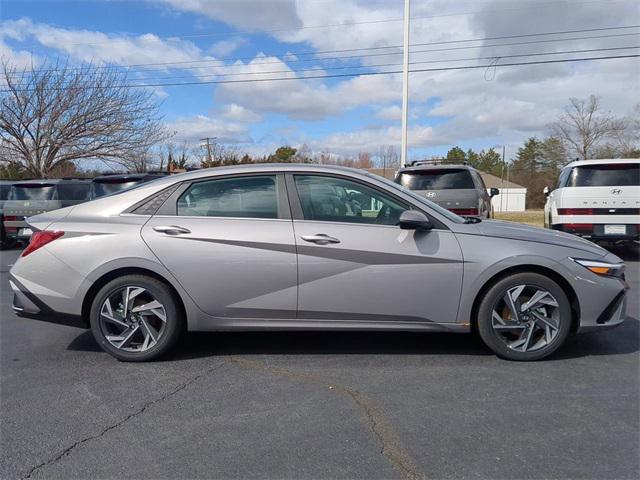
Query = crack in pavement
x=391 y=447
x=119 y=423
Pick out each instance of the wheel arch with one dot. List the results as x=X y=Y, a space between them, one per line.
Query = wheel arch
x=548 y=272
x=119 y=272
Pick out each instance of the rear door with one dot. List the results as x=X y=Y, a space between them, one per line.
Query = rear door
x=356 y=264
x=229 y=241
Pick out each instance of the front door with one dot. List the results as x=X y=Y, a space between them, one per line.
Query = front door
x=230 y=244
x=356 y=264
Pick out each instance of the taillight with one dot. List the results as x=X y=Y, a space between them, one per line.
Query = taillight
x=10 y=218
x=575 y=211
x=40 y=239
x=465 y=211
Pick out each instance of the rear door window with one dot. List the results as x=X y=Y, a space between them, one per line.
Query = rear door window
x=605 y=175
x=437 y=179
x=242 y=197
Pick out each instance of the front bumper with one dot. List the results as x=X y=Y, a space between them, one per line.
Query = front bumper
x=612 y=316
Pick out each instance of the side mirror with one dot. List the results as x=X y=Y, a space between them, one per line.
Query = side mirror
x=546 y=191
x=414 y=220
x=494 y=191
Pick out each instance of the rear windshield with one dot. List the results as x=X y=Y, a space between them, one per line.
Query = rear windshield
x=436 y=179
x=35 y=192
x=4 y=191
x=73 y=191
x=610 y=175
x=100 y=189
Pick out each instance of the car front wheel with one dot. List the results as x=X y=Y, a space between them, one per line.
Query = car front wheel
x=525 y=316
x=136 y=318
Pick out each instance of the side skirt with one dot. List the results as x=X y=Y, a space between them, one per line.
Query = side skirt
x=252 y=324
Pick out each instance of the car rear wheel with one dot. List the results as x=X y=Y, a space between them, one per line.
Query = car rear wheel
x=136 y=318
x=525 y=316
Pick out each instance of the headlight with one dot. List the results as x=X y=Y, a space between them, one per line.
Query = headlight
x=602 y=268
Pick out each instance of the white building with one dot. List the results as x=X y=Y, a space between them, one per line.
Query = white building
x=512 y=196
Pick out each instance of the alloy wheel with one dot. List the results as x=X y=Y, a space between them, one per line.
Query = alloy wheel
x=132 y=319
x=526 y=318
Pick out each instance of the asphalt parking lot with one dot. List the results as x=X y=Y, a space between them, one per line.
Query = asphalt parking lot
x=317 y=405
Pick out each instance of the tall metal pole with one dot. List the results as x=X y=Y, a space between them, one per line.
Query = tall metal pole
x=405 y=84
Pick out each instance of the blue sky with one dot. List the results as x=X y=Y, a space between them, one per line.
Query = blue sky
x=201 y=40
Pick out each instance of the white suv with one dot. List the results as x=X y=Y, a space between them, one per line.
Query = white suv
x=598 y=200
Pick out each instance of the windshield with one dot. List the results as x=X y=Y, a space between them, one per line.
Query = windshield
x=33 y=192
x=437 y=179
x=605 y=175
x=73 y=191
x=100 y=189
x=420 y=199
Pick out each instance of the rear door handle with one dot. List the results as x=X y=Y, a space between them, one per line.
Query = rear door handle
x=171 y=229
x=320 y=239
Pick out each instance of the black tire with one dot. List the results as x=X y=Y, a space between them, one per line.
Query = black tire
x=173 y=330
x=493 y=296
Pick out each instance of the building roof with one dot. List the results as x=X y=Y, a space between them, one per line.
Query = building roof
x=491 y=181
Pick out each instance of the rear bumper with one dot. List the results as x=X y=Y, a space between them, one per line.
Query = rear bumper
x=596 y=232
x=27 y=305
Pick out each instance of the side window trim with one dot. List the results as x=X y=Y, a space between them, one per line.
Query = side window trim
x=170 y=206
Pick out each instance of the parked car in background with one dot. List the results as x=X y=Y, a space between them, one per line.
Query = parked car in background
x=32 y=197
x=108 y=184
x=598 y=200
x=458 y=188
x=261 y=247
x=5 y=187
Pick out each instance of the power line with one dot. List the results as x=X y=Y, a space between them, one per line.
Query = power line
x=344 y=67
x=421 y=44
x=364 y=22
x=362 y=74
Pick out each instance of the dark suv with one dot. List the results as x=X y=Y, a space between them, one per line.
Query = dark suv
x=32 y=197
x=113 y=183
x=458 y=188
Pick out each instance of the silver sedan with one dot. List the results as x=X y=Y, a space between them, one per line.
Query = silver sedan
x=293 y=247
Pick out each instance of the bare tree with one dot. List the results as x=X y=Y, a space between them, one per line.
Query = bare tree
x=388 y=157
x=584 y=126
x=57 y=113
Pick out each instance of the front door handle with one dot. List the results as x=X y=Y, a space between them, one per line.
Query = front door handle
x=320 y=239
x=171 y=229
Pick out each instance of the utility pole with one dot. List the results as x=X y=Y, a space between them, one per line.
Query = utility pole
x=209 y=140
x=405 y=84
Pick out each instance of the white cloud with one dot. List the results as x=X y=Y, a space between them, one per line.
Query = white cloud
x=223 y=48
x=238 y=113
x=98 y=47
x=193 y=129
x=393 y=112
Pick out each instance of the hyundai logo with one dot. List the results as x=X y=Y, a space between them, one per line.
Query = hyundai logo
x=616 y=191
x=431 y=194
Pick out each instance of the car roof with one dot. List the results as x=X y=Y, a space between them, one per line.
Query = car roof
x=435 y=166
x=127 y=176
x=602 y=161
x=265 y=168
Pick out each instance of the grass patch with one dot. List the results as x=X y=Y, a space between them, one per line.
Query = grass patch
x=529 y=217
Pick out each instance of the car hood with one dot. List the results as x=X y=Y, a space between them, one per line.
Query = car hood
x=517 y=231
